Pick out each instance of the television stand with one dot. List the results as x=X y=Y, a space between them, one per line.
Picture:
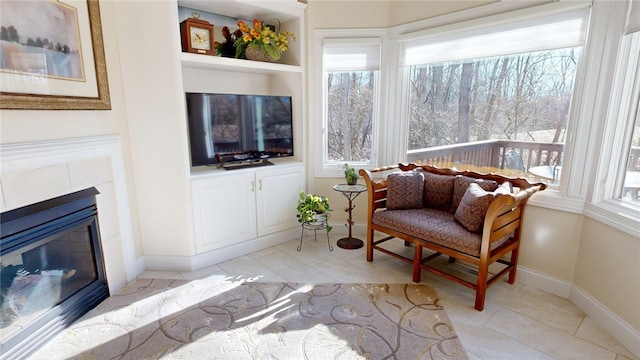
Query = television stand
x=245 y=164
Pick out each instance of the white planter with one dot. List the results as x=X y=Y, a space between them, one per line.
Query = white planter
x=319 y=219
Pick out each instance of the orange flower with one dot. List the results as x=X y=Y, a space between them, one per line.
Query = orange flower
x=267 y=39
x=243 y=26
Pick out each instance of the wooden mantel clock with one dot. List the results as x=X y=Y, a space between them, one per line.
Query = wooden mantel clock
x=197 y=35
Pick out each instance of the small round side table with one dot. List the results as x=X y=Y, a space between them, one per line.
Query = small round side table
x=350 y=192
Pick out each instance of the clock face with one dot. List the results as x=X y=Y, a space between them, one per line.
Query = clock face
x=200 y=38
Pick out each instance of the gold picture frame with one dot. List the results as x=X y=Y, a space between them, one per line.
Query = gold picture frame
x=93 y=65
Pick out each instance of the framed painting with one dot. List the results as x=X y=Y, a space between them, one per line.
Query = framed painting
x=52 y=56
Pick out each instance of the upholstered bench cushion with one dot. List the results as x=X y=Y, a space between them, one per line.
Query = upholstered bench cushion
x=435 y=226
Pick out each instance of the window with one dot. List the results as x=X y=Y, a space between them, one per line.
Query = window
x=351 y=70
x=615 y=194
x=631 y=182
x=631 y=179
x=625 y=115
x=496 y=98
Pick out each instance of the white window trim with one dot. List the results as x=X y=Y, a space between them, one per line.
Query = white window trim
x=605 y=205
x=322 y=167
x=562 y=196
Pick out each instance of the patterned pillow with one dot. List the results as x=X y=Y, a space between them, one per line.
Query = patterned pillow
x=404 y=190
x=460 y=185
x=438 y=191
x=473 y=207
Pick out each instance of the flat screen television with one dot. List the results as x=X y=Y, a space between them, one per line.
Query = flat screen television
x=228 y=128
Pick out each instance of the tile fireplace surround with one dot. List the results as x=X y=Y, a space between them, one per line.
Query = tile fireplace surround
x=37 y=171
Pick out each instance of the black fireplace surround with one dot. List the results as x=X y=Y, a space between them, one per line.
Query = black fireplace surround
x=52 y=270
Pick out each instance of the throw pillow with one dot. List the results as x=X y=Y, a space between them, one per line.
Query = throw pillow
x=504 y=188
x=404 y=190
x=438 y=191
x=460 y=185
x=473 y=207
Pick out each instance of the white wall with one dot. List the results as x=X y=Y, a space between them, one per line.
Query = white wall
x=148 y=37
x=26 y=125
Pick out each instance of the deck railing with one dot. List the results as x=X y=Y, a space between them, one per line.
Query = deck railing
x=500 y=154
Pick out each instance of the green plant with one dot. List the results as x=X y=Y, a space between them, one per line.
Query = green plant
x=350 y=174
x=262 y=36
x=310 y=205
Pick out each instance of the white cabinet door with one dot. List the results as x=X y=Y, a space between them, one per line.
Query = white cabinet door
x=224 y=209
x=276 y=198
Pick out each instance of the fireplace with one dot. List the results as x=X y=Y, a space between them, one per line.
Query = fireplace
x=52 y=269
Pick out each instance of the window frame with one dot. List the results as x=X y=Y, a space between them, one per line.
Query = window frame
x=605 y=204
x=318 y=124
x=562 y=195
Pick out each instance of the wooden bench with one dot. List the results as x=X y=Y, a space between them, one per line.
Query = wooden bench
x=477 y=227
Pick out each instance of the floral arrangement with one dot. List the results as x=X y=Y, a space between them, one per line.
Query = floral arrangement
x=262 y=37
x=227 y=48
x=311 y=204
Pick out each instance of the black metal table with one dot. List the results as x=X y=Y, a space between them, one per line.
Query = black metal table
x=350 y=192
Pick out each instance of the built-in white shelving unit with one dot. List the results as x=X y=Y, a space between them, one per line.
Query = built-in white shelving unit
x=185 y=221
x=239 y=211
x=216 y=63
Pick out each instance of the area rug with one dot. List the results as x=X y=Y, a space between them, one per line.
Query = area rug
x=175 y=319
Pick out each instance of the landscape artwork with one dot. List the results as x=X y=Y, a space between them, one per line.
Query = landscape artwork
x=52 y=56
x=41 y=38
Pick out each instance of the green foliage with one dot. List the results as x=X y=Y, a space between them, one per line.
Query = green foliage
x=350 y=174
x=311 y=204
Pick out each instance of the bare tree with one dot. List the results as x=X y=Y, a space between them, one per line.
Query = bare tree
x=464 y=102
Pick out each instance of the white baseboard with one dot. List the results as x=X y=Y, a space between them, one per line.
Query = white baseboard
x=233 y=251
x=167 y=263
x=200 y=261
x=609 y=321
x=340 y=228
x=612 y=323
x=542 y=281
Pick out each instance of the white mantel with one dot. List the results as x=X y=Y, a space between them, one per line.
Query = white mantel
x=34 y=171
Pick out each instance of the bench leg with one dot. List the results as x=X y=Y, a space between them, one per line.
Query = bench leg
x=417 y=258
x=369 y=245
x=514 y=263
x=481 y=289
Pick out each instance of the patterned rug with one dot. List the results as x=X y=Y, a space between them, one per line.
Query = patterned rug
x=175 y=319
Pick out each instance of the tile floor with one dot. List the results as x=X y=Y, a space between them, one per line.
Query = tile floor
x=518 y=322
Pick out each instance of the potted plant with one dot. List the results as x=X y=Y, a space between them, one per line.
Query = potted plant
x=350 y=174
x=313 y=209
x=261 y=42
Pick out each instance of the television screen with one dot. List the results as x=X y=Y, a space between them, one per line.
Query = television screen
x=226 y=128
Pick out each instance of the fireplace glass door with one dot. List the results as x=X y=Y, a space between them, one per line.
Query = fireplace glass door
x=40 y=276
x=51 y=270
